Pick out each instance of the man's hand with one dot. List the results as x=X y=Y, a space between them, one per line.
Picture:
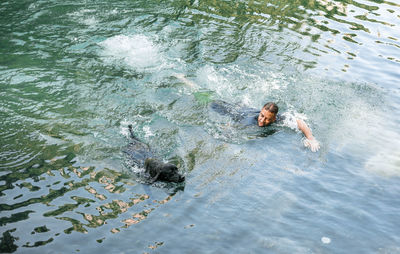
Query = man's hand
x=309 y=140
x=312 y=143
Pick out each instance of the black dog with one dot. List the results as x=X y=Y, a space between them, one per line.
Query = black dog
x=142 y=156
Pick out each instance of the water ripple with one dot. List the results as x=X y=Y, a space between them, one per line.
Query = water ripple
x=73 y=75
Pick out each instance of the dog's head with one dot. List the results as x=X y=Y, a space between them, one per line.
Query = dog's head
x=167 y=172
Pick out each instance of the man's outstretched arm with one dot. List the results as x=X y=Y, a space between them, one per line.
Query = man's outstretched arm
x=310 y=141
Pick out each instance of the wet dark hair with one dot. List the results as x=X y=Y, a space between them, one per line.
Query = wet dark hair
x=271 y=107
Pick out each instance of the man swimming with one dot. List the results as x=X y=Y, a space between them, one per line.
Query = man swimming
x=263 y=118
x=268 y=115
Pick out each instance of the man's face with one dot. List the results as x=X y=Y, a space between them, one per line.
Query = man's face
x=265 y=118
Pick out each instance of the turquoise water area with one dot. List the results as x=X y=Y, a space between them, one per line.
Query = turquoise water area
x=73 y=75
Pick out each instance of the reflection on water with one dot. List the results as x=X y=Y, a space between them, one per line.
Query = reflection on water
x=263 y=28
x=98 y=197
x=74 y=75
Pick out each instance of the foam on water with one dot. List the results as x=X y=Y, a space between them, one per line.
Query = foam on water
x=385 y=159
x=235 y=84
x=210 y=79
x=356 y=124
x=362 y=128
x=85 y=17
x=386 y=162
x=124 y=130
x=124 y=127
x=148 y=132
x=339 y=113
x=136 y=51
x=91 y=21
x=137 y=170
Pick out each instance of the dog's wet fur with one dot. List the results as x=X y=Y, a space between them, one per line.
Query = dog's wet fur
x=142 y=156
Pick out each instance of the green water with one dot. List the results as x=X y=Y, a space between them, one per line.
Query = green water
x=74 y=75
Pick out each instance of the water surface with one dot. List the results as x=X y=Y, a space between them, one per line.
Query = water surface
x=74 y=75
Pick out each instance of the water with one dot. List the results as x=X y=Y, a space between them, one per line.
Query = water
x=74 y=75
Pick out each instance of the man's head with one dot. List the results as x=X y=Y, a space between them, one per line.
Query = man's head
x=267 y=114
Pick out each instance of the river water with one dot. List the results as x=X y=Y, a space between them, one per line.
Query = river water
x=74 y=75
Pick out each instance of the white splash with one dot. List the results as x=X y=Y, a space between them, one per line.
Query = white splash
x=147 y=132
x=91 y=21
x=124 y=127
x=386 y=158
x=325 y=240
x=213 y=80
x=136 y=169
x=85 y=16
x=375 y=137
x=290 y=118
x=249 y=88
x=137 y=51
